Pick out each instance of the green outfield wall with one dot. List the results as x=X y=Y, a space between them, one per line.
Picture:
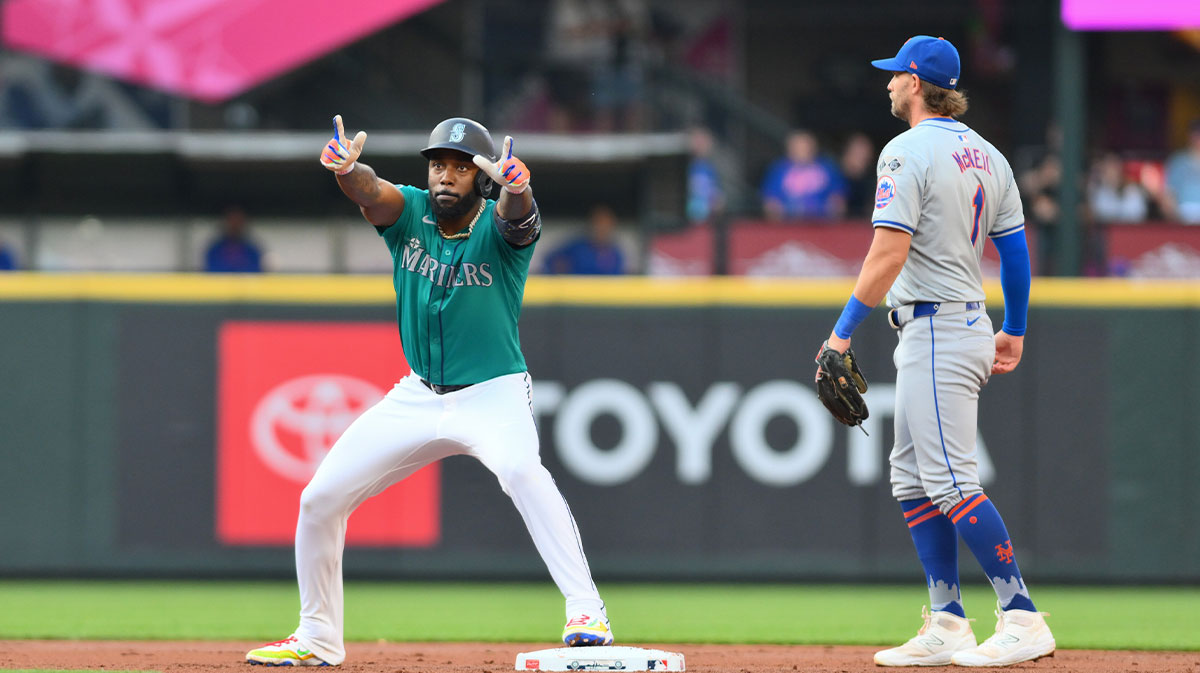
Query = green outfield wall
x=164 y=425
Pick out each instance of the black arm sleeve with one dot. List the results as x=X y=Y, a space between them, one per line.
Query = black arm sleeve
x=521 y=231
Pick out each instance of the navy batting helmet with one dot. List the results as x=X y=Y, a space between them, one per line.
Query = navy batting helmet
x=469 y=137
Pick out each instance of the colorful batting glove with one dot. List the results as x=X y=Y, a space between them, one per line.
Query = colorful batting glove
x=508 y=171
x=338 y=155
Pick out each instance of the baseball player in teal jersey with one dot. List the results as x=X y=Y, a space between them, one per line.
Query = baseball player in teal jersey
x=460 y=264
x=942 y=191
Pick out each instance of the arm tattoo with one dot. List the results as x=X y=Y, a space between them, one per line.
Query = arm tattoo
x=360 y=184
x=521 y=231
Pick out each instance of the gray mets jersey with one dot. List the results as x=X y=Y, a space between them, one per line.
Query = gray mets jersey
x=948 y=187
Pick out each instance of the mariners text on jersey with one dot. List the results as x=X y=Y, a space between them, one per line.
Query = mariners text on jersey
x=416 y=260
x=457 y=300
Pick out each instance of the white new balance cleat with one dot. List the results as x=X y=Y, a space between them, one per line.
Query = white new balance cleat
x=584 y=630
x=943 y=634
x=1020 y=635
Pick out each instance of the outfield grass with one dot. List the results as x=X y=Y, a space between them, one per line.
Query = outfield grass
x=1082 y=617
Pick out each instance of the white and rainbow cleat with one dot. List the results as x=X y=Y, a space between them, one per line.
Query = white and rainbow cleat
x=286 y=652
x=585 y=630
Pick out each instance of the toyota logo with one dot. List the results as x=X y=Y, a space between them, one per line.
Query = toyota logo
x=296 y=423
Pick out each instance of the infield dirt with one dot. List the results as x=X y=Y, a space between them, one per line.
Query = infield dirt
x=480 y=658
x=171 y=657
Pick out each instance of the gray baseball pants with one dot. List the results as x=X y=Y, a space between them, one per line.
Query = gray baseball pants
x=942 y=361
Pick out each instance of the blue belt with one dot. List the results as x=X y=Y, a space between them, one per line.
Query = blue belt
x=924 y=308
x=900 y=315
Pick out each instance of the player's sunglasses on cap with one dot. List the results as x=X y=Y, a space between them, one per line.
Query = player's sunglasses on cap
x=933 y=59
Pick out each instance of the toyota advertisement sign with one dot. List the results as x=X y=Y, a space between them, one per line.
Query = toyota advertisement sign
x=286 y=392
x=688 y=441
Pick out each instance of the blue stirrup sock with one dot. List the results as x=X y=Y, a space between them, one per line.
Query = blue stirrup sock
x=983 y=530
x=937 y=547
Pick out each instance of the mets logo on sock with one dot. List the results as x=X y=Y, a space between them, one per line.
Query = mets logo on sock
x=885 y=192
x=1004 y=552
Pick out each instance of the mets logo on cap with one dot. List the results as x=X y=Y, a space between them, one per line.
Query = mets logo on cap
x=885 y=192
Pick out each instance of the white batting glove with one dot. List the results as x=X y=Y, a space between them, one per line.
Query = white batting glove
x=508 y=171
x=338 y=155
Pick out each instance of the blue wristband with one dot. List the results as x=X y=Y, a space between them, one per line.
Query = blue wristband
x=854 y=313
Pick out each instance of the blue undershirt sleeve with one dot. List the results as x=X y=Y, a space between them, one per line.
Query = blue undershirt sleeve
x=1015 y=280
x=853 y=314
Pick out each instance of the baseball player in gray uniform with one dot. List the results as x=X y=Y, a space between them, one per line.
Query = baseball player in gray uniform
x=942 y=191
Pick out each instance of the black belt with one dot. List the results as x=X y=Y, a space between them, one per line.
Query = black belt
x=442 y=390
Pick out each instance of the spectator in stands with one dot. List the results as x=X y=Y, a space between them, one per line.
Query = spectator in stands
x=1183 y=179
x=1112 y=197
x=803 y=183
x=233 y=251
x=8 y=259
x=595 y=253
x=705 y=194
x=858 y=174
x=1040 y=188
x=595 y=52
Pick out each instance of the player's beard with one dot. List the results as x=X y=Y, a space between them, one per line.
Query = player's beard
x=461 y=206
x=900 y=108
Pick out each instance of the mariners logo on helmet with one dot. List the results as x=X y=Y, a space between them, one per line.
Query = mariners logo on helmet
x=469 y=137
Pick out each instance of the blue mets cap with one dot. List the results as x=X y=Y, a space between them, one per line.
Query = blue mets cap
x=933 y=59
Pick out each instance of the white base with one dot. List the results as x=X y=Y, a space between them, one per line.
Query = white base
x=609 y=658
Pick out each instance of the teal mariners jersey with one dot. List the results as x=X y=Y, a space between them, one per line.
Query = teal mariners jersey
x=949 y=188
x=457 y=301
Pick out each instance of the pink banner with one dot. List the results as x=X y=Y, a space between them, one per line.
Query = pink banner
x=210 y=50
x=1125 y=15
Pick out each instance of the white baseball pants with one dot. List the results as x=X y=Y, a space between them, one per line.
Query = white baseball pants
x=410 y=428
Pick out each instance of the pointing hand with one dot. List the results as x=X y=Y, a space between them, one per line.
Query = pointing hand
x=509 y=171
x=338 y=155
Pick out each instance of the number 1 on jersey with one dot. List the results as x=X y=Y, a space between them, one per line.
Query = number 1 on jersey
x=977 y=204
